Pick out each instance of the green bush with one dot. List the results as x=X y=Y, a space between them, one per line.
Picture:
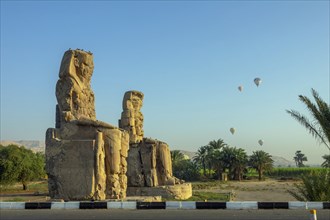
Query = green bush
x=186 y=170
x=315 y=186
x=18 y=164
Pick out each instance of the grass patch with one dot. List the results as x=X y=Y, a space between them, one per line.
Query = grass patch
x=40 y=186
x=16 y=199
x=208 y=185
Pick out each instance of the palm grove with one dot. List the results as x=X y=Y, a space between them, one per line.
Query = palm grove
x=217 y=160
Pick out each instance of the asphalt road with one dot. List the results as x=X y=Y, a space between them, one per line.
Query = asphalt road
x=163 y=214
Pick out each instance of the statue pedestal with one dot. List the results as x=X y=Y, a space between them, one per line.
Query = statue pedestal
x=86 y=162
x=74 y=168
x=181 y=191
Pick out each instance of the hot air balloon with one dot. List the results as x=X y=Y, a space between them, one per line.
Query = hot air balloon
x=261 y=142
x=240 y=88
x=232 y=130
x=257 y=81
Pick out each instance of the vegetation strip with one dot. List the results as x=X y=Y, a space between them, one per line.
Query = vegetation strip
x=169 y=205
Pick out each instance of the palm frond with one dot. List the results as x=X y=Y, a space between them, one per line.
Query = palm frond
x=324 y=118
x=315 y=131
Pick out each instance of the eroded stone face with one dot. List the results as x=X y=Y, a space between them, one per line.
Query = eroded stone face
x=132 y=117
x=73 y=90
x=85 y=158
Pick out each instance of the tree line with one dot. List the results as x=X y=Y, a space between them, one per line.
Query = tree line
x=217 y=158
x=18 y=164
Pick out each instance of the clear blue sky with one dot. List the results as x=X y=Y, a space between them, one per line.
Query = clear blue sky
x=187 y=57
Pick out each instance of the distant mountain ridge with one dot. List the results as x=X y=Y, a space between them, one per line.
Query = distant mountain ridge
x=34 y=145
x=189 y=154
x=282 y=162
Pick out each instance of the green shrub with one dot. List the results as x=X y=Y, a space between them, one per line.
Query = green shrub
x=186 y=170
x=20 y=164
x=315 y=186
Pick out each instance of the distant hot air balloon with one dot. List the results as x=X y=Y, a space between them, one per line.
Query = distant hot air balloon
x=240 y=88
x=232 y=130
x=261 y=142
x=257 y=81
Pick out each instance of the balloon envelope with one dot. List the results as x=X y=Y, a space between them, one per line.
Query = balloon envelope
x=261 y=142
x=257 y=81
x=240 y=88
x=232 y=130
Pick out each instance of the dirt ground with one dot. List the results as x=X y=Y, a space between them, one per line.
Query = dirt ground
x=252 y=190
x=23 y=197
x=261 y=191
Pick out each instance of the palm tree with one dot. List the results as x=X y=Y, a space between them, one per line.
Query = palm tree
x=235 y=160
x=200 y=158
x=217 y=145
x=319 y=127
x=239 y=163
x=313 y=186
x=209 y=158
x=300 y=158
x=176 y=156
x=261 y=161
x=213 y=151
x=326 y=163
x=218 y=164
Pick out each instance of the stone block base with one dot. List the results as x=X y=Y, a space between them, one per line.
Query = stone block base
x=180 y=191
x=73 y=168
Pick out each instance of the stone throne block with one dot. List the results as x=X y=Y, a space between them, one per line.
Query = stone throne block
x=86 y=162
x=75 y=167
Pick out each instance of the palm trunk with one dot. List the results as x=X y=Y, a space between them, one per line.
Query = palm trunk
x=219 y=173
x=24 y=185
x=260 y=174
x=204 y=169
x=237 y=175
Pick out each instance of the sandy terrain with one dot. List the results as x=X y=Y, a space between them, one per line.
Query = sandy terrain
x=269 y=190
x=23 y=197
